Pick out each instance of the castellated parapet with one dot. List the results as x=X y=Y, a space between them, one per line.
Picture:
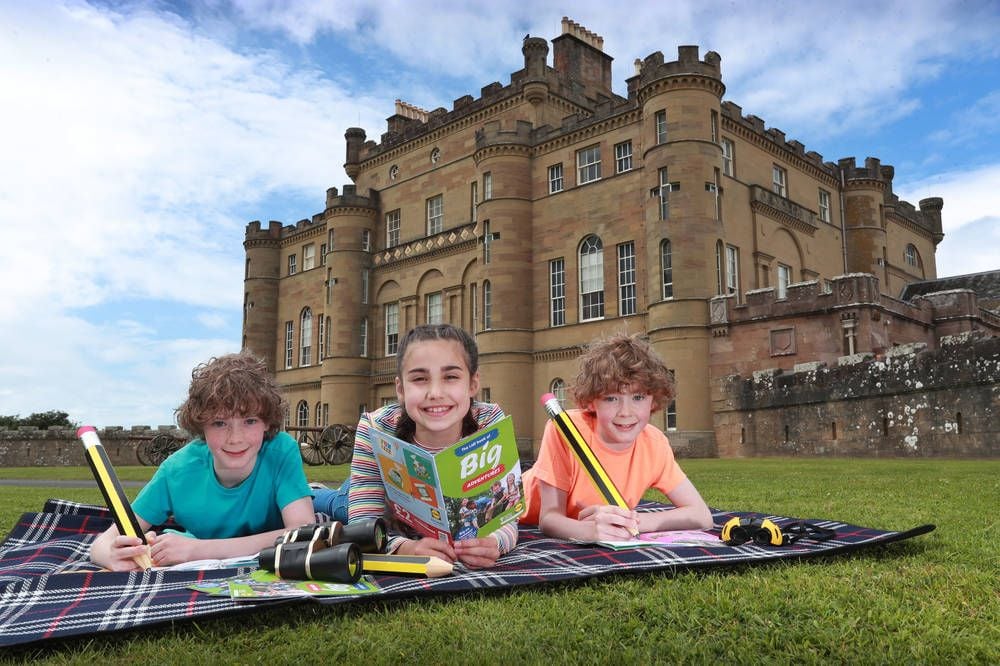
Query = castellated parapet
x=54 y=447
x=911 y=402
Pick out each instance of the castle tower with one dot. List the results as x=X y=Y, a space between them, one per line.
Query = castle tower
x=350 y=222
x=680 y=104
x=260 y=290
x=864 y=215
x=503 y=159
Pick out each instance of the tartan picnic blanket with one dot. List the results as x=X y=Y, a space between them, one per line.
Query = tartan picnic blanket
x=49 y=589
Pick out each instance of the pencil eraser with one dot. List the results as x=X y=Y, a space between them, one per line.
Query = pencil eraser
x=548 y=396
x=83 y=429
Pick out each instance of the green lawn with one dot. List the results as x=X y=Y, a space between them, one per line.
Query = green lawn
x=930 y=600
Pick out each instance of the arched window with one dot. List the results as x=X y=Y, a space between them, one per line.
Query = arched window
x=305 y=337
x=558 y=389
x=667 y=269
x=591 y=278
x=318 y=414
x=302 y=414
x=911 y=256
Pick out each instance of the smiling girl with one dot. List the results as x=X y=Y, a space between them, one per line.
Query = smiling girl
x=437 y=375
x=234 y=488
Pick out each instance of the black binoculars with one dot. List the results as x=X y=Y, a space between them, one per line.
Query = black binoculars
x=327 y=551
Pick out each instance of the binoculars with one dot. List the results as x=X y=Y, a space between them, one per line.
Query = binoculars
x=328 y=551
x=764 y=532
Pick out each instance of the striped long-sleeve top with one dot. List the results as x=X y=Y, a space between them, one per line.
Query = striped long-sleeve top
x=367 y=494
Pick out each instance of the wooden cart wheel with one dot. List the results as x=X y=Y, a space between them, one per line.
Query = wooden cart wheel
x=161 y=446
x=142 y=452
x=341 y=449
x=309 y=449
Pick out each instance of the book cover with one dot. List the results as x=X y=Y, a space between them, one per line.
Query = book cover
x=467 y=490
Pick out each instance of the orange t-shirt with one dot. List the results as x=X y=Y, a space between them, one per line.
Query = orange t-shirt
x=648 y=463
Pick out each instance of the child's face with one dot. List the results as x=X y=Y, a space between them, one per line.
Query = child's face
x=234 y=443
x=622 y=416
x=436 y=390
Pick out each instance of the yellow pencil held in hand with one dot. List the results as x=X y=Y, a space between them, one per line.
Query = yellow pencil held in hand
x=111 y=488
x=574 y=440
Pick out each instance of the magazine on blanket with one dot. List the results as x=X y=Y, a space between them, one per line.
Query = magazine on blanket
x=668 y=538
x=262 y=585
x=467 y=490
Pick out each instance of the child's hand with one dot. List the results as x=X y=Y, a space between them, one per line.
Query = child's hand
x=427 y=546
x=124 y=550
x=169 y=548
x=478 y=553
x=611 y=523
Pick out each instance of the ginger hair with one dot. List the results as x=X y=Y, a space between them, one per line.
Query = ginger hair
x=618 y=362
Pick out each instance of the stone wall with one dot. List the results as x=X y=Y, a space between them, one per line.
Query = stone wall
x=53 y=447
x=910 y=402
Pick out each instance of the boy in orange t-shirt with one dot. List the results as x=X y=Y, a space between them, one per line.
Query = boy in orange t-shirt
x=621 y=383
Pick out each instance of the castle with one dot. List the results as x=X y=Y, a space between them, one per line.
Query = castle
x=551 y=211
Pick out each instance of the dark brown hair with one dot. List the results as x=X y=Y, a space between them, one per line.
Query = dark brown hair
x=428 y=332
x=233 y=384
x=620 y=361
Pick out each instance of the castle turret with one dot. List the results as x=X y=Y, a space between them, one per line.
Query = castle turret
x=350 y=222
x=355 y=141
x=681 y=156
x=865 y=190
x=260 y=290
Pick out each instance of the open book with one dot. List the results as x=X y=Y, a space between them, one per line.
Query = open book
x=467 y=490
x=672 y=538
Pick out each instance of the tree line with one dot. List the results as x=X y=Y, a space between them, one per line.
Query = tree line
x=48 y=419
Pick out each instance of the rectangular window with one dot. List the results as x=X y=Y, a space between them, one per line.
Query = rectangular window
x=557 y=292
x=292 y=269
x=487 y=241
x=670 y=414
x=623 y=157
x=473 y=200
x=824 y=205
x=435 y=308
x=779 y=181
x=728 y=153
x=289 y=344
x=714 y=119
x=474 y=307
x=322 y=254
x=391 y=328
x=435 y=215
x=392 y=228
x=555 y=178
x=366 y=240
x=667 y=269
x=363 y=337
x=487 y=305
x=329 y=240
x=305 y=344
x=320 y=348
x=364 y=285
x=626 y=279
x=588 y=165
x=660 y=119
x=732 y=271
x=487 y=186
x=784 y=279
x=308 y=256
x=663 y=192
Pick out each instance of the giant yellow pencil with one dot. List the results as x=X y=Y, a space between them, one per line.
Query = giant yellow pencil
x=111 y=488
x=578 y=445
x=423 y=566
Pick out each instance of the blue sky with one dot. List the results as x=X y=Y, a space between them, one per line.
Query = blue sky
x=139 y=138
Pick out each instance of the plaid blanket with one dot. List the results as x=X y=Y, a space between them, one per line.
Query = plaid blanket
x=49 y=589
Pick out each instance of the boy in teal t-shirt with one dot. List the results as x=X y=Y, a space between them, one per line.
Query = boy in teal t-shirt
x=234 y=489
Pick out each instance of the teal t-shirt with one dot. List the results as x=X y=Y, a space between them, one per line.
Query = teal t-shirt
x=185 y=487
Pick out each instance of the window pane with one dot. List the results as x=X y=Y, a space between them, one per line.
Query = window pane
x=626 y=279
x=557 y=292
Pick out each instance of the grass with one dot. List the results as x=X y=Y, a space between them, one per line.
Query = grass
x=930 y=600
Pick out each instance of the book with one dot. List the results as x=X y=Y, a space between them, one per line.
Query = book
x=671 y=538
x=262 y=584
x=467 y=490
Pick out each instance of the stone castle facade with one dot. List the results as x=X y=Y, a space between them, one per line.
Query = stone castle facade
x=551 y=211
